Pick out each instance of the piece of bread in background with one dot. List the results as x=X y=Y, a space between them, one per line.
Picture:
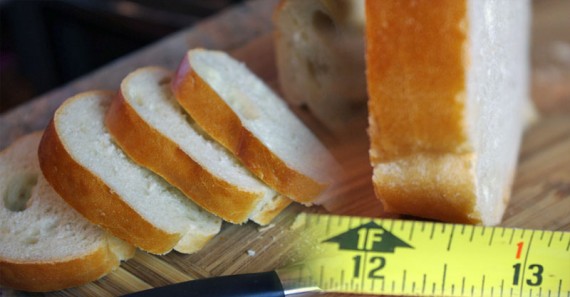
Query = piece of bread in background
x=319 y=47
x=45 y=245
x=92 y=174
x=448 y=83
x=239 y=111
x=150 y=126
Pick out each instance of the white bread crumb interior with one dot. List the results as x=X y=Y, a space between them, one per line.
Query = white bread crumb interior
x=45 y=228
x=81 y=128
x=150 y=95
x=497 y=92
x=319 y=48
x=263 y=113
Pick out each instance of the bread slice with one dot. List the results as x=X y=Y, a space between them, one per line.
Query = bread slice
x=319 y=46
x=447 y=82
x=79 y=159
x=45 y=245
x=238 y=110
x=182 y=153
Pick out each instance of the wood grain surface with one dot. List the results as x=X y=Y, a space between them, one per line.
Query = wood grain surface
x=541 y=191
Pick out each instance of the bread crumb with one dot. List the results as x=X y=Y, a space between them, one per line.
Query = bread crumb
x=265 y=228
x=251 y=253
x=299 y=222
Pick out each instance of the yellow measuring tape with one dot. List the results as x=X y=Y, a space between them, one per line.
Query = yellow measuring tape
x=395 y=257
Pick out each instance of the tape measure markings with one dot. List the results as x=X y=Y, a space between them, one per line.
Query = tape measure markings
x=502 y=286
x=412 y=230
x=524 y=264
x=512 y=236
x=472 y=233
x=443 y=279
x=431 y=233
x=492 y=235
x=477 y=260
x=550 y=240
x=450 y=238
x=424 y=283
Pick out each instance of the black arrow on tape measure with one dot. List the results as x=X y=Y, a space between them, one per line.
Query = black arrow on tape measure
x=368 y=237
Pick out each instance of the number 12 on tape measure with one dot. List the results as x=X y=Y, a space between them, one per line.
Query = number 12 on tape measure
x=395 y=257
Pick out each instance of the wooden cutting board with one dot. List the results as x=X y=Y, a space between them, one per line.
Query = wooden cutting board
x=541 y=192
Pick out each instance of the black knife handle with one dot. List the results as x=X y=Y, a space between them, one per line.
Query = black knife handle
x=265 y=284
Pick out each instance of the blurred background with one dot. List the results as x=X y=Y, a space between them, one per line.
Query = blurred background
x=44 y=44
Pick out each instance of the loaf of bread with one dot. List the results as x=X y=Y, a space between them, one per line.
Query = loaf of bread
x=148 y=124
x=92 y=174
x=319 y=47
x=239 y=111
x=45 y=244
x=447 y=82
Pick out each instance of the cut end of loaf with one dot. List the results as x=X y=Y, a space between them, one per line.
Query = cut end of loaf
x=446 y=79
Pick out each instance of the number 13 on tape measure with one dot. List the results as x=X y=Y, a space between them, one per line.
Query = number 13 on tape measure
x=395 y=257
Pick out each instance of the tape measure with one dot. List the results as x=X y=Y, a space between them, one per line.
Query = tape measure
x=396 y=257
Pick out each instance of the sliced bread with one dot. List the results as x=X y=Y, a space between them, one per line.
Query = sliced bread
x=319 y=46
x=238 y=110
x=182 y=153
x=80 y=160
x=447 y=83
x=45 y=244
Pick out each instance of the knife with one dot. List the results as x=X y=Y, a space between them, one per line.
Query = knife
x=279 y=283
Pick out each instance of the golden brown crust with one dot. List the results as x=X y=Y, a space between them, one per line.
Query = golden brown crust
x=218 y=119
x=416 y=71
x=164 y=157
x=51 y=276
x=439 y=187
x=92 y=198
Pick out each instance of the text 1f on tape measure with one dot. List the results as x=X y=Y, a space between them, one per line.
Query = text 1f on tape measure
x=395 y=257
